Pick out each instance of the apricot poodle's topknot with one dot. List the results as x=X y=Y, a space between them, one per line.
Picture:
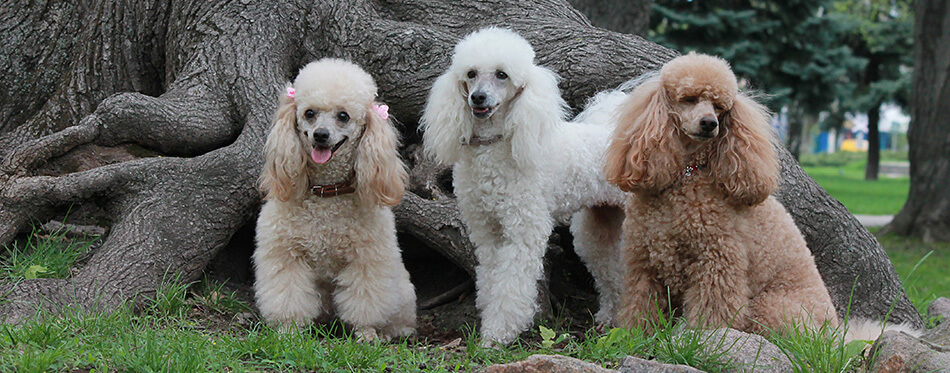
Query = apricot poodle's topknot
x=699 y=74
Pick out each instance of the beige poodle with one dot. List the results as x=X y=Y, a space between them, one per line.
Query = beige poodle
x=326 y=238
x=701 y=228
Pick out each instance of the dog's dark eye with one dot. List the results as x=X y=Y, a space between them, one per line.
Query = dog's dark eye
x=690 y=99
x=471 y=74
x=343 y=117
x=308 y=114
x=501 y=75
x=719 y=107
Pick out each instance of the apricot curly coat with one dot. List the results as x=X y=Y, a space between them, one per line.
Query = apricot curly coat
x=701 y=228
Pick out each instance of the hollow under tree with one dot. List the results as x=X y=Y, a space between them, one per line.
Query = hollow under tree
x=189 y=86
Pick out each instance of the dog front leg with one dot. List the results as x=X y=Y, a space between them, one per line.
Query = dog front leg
x=719 y=295
x=373 y=293
x=507 y=279
x=643 y=299
x=286 y=290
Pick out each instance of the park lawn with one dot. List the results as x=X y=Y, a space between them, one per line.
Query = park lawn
x=196 y=327
x=846 y=183
x=922 y=266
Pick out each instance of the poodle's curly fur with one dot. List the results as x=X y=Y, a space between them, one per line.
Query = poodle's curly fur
x=536 y=170
x=701 y=228
x=316 y=255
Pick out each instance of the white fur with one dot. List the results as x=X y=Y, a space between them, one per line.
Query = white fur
x=870 y=330
x=319 y=255
x=511 y=193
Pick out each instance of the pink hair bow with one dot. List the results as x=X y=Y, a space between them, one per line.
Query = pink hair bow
x=382 y=110
x=290 y=92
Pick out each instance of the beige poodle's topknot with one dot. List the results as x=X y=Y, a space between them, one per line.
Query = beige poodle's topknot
x=697 y=75
x=334 y=79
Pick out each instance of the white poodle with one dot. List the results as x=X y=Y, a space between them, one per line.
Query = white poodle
x=326 y=237
x=519 y=169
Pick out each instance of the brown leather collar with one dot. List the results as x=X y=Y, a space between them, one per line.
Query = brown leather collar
x=478 y=141
x=333 y=190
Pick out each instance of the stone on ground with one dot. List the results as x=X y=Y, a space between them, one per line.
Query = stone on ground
x=547 y=364
x=900 y=352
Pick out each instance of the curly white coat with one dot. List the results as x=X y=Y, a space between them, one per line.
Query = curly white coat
x=541 y=170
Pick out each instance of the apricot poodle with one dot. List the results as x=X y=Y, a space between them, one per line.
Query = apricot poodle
x=326 y=237
x=701 y=228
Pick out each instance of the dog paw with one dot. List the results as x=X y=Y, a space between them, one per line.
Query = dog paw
x=366 y=335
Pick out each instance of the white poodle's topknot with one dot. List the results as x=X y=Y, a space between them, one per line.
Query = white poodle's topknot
x=494 y=47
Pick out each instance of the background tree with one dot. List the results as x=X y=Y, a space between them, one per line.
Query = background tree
x=625 y=16
x=149 y=117
x=789 y=50
x=881 y=33
x=926 y=214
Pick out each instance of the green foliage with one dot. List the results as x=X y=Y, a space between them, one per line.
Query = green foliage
x=791 y=50
x=43 y=256
x=880 y=32
x=211 y=295
x=821 y=350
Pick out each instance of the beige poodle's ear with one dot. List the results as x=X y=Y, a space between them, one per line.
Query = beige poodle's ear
x=645 y=153
x=381 y=176
x=284 y=175
x=745 y=163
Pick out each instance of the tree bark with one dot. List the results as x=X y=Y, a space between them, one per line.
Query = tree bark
x=926 y=214
x=874 y=143
x=624 y=16
x=194 y=83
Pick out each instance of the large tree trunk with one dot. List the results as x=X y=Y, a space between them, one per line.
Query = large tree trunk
x=926 y=213
x=195 y=82
x=625 y=16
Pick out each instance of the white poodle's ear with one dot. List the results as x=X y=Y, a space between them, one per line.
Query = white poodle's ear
x=444 y=122
x=381 y=176
x=284 y=175
x=535 y=110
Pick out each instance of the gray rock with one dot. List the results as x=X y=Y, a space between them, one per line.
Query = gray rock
x=632 y=364
x=940 y=307
x=547 y=364
x=900 y=352
x=746 y=352
x=939 y=336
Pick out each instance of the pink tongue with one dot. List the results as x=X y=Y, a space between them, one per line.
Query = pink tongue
x=321 y=156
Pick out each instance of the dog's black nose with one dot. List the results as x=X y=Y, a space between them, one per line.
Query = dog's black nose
x=479 y=97
x=708 y=124
x=321 y=135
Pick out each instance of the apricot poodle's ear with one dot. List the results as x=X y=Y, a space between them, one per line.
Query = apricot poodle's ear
x=381 y=176
x=284 y=175
x=645 y=152
x=745 y=163
x=444 y=122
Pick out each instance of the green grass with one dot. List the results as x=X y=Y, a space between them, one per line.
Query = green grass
x=191 y=327
x=924 y=280
x=846 y=183
x=125 y=341
x=43 y=256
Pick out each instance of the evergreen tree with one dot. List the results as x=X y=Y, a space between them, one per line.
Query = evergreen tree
x=792 y=51
x=881 y=33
